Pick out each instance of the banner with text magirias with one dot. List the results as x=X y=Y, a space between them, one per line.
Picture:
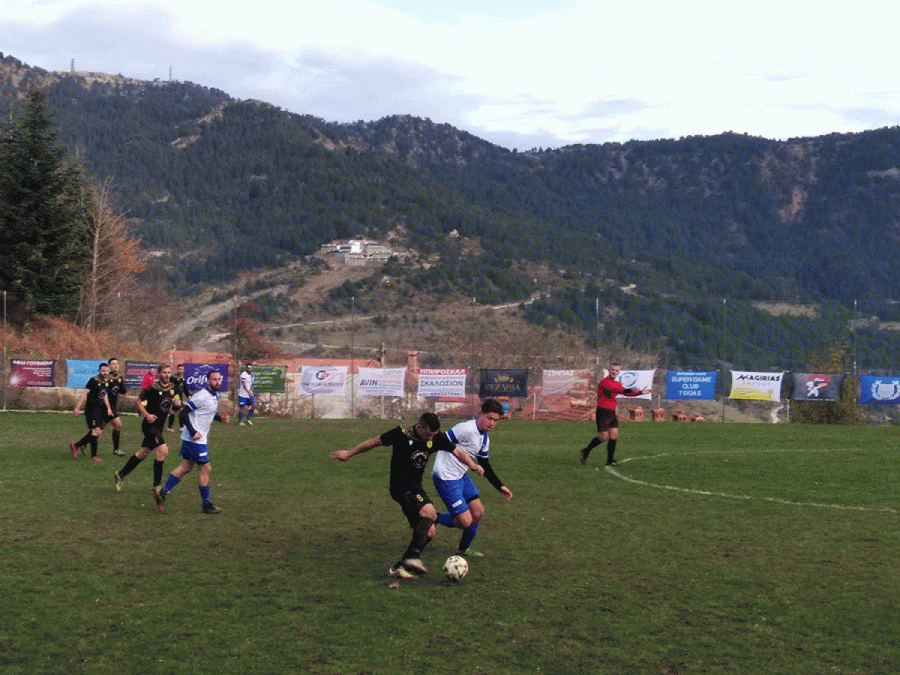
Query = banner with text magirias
x=756 y=386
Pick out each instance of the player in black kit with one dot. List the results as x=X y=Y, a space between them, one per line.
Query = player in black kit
x=96 y=411
x=115 y=386
x=411 y=448
x=155 y=404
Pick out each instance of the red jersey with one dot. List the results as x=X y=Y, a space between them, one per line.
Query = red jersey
x=608 y=389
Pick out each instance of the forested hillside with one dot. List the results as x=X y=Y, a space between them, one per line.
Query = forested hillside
x=214 y=186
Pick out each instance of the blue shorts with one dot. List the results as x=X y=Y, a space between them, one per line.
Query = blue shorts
x=244 y=401
x=194 y=452
x=456 y=494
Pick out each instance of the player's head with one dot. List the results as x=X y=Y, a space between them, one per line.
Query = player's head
x=214 y=380
x=164 y=370
x=113 y=364
x=249 y=367
x=491 y=410
x=179 y=369
x=614 y=370
x=427 y=426
x=103 y=369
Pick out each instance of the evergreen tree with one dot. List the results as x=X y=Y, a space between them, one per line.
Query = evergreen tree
x=42 y=241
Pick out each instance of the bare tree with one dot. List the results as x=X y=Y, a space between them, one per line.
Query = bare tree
x=113 y=260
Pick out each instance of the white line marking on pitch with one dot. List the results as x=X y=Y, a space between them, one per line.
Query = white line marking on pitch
x=706 y=493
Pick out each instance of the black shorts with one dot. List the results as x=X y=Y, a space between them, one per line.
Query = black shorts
x=606 y=420
x=411 y=498
x=153 y=438
x=96 y=420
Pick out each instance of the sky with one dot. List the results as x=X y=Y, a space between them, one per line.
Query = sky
x=526 y=74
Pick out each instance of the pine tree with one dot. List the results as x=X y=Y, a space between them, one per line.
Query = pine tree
x=42 y=238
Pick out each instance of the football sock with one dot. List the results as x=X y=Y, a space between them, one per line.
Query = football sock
x=468 y=535
x=250 y=413
x=84 y=440
x=93 y=445
x=445 y=519
x=420 y=538
x=116 y=436
x=240 y=416
x=130 y=465
x=157 y=472
x=204 y=494
x=593 y=444
x=171 y=482
x=610 y=449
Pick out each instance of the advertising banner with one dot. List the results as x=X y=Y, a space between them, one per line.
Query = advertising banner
x=195 y=375
x=879 y=389
x=495 y=382
x=269 y=379
x=32 y=373
x=693 y=386
x=381 y=381
x=441 y=382
x=80 y=371
x=562 y=382
x=817 y=386
x=134 y=373
x=756 y=386
x=323 y=380
x=635 y=379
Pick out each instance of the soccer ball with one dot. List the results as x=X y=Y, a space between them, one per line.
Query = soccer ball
x=456 y=567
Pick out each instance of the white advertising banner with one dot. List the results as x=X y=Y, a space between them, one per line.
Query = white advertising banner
x=323 y=380
x=437 y=382
x=636 y=379
x=381 y=381
x=562 y=382
x=756 y=386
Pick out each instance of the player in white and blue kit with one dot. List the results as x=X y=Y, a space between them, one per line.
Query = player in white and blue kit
x=246 y=397
x=197 y=417
x=452 y=481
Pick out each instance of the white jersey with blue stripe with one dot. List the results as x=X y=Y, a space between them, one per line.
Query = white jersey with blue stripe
x=203 y=405
x=467 y=437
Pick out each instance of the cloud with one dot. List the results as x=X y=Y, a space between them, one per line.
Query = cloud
x=521 y=75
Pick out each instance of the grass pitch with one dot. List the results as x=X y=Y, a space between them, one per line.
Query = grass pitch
x=711 y=548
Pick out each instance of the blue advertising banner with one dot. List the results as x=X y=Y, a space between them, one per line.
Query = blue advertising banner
x=696 y=386
x=503 y=382
x=195 y=375
x=879 y=389
x=80 y=371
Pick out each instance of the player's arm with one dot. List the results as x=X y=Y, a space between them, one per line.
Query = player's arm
x=493 y=478
x=466 y=459
x=365 y=446
x=80 y=402
x=184 y=419
x=141 y=405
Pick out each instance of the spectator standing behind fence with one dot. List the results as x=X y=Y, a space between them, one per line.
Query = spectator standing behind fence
x=607 y=420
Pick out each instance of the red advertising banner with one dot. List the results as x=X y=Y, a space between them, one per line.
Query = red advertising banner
x=31 y=373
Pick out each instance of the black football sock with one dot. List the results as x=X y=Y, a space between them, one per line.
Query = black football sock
x=116 y=436
x=157 y=472
x=84 y=440
x=93 y=445
x=130 y=465
x=420 y=538
x=610 y=450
